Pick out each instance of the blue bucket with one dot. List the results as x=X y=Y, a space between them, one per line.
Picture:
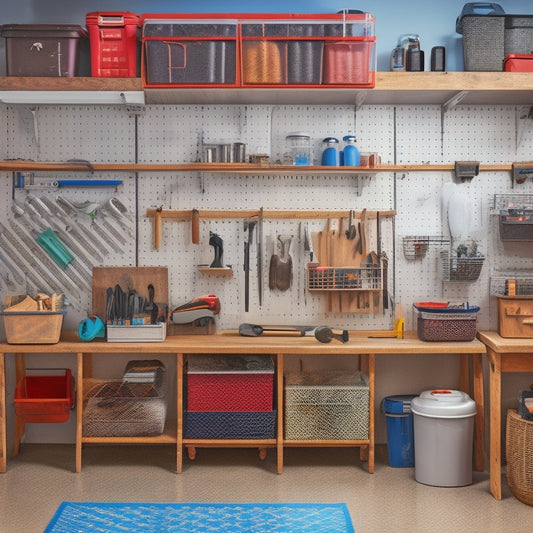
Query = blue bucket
x=400 y=430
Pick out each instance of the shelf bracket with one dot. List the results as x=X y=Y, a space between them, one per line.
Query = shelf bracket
x=360 y=98
x=449 y=105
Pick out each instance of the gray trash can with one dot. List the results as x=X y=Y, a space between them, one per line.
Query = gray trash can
x=444 y=433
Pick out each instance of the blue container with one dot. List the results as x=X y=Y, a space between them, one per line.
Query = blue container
x=351 y=154
x=330 y=155
x=400 y=431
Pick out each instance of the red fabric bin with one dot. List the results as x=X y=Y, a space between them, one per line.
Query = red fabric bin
x=230 y=383
x=113 y=41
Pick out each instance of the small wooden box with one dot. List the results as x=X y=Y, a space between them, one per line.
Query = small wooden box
x=515 y=316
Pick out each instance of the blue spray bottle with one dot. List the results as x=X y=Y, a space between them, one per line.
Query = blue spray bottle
x=352 y=156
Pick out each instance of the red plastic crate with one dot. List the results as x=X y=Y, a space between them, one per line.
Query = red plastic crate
x=45 y=398
x=230 y=383
x=113 y=41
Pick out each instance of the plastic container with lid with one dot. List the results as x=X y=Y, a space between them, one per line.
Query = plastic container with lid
x=43 y=50
x=330 y=154
x=113 y=42
x=299 y=147
x=351 y=154
x=444 y=432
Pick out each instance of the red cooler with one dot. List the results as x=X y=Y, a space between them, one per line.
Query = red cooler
x=113 y=39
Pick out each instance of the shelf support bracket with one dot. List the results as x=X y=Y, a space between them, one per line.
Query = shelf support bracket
x=360 y=98
x=449 y=105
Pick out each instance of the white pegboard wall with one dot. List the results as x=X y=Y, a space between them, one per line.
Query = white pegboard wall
x=169 y=134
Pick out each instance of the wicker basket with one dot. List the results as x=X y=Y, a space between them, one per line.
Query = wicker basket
x=519 y=451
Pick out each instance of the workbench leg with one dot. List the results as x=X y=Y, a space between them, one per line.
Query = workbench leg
x=3 y=430
x=367 y=365
x=479 y=398
x=464 y=373
x=280 y=403
x=495 y=369
x=20 y=427
x=79 y=409
x=179 y=412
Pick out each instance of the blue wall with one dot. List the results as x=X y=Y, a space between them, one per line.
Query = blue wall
x=433 y=21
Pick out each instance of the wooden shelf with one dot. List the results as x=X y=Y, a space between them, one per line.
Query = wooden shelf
x=392 y=88
x=18 y=165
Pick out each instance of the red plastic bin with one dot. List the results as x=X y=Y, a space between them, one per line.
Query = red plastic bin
x=45 y=398
x=518 y=63
x=113 y=42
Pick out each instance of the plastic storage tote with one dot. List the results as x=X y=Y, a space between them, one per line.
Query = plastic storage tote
x=444 y=433
x=113 y=40
x=43 y=50
x=400 y=432
x=182 y=51
x=482 y=25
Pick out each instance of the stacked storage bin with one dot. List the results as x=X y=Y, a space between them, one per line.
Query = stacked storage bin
x=229 y=397
x=263 y=50
x=494 y=41
x=330 y=405
x=189 y=50
x=309 y=50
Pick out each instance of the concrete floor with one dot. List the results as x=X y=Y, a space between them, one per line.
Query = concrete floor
x=390 y=500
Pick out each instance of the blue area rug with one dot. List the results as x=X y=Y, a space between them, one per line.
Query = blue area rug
x=78 y=517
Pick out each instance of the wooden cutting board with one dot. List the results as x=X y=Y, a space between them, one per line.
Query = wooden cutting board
x=137 y=278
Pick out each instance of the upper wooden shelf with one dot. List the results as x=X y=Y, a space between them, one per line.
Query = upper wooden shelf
x=20 y=165
x=419 y=88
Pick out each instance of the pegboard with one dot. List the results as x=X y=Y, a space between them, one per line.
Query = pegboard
x=172 y=133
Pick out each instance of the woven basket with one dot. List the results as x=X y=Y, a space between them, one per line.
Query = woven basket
x=519 y=450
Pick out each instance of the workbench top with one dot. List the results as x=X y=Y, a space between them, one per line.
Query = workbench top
x=229 y=341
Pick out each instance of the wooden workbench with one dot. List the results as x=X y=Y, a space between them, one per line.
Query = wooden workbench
x=505 y=355
x=229 y=342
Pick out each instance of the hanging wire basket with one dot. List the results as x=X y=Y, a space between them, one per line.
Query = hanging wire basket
x=416 y=246
x=460 y=269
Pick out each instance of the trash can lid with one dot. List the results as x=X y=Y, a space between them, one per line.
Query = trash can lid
x=398 y=404
x=443 y=403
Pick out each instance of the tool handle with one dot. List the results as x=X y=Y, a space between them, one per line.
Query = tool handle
x=195 y=220
x=157 y=228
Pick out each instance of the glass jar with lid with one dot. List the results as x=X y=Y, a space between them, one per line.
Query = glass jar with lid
x=299 y=147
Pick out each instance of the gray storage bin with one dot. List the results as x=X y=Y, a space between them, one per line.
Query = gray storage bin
x=483 y=28
x=518 y=34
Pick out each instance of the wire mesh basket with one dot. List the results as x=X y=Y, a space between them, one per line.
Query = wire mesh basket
x=461 y=269
x=512 y=284
x=117 y=408
x=416 y=247
x=343 y=278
